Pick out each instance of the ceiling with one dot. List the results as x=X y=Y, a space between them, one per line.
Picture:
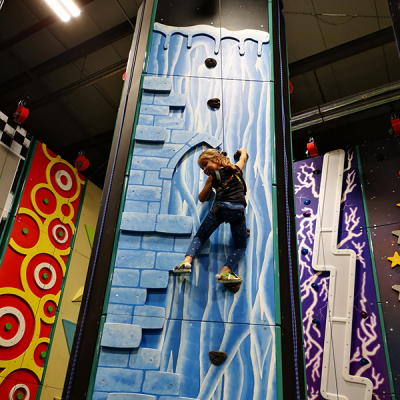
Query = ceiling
x=72 y=71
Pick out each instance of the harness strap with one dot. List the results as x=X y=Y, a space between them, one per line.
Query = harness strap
x=238 y=176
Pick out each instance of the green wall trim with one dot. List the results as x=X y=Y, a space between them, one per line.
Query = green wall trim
x=278 y=356
x=53 y=327
x=96 y=359
x=5 y=236
x=277 y=294
x=373 y=266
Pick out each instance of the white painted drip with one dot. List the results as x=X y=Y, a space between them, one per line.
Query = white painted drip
x=217 y=34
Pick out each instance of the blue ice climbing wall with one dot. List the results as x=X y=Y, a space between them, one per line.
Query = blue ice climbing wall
x=160 y=327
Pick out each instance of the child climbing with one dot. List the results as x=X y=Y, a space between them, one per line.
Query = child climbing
x=229 y=204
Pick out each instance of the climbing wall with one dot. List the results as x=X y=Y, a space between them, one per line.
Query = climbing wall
x=159 y=327
x=335 y=360
x=33 y=269
x=380 y=168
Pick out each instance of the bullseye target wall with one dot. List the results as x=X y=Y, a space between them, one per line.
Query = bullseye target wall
x=36 y=259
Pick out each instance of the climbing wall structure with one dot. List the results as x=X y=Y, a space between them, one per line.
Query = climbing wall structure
x=156 y=329
x=344 y=333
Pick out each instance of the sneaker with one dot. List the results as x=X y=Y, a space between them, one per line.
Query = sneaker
x=228 y=277
x=183 y=268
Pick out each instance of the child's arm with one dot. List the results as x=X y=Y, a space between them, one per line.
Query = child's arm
x=205 y=193
x=242 y=159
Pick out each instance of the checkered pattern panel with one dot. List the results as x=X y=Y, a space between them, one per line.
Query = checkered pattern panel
x=14 y=137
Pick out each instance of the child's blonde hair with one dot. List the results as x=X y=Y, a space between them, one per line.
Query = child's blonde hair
x=210 y=154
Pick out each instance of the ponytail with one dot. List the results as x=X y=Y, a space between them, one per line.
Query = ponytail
x=210 y=154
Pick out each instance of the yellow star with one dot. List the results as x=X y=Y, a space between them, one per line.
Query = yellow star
x=397 y=289
x=395 y=259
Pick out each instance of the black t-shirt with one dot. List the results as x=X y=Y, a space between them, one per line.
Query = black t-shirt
x=232 y=187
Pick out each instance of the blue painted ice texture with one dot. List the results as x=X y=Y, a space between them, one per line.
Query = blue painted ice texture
x=197 y=314
x=122 y=336
x=367 y=340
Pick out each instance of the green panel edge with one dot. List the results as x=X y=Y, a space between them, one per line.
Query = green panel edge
x=122 y=205
x=278 y=365
x=53 y=328
x=96 y=358
x=5 y=236
x=278 y=316
x=373 y=266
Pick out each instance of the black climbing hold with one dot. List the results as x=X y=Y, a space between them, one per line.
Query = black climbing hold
x=214 y=103
x=364 y=361
x=316 y=321
x=379 y=157
x=316 y=171
x=314 y=286
x=233 y=287
x=217 y=357
x=304 y=251
x=210 y=63
x=248 y=232
x=306 y=213
x=307 y=202
x=236 y=156
x=363 y=314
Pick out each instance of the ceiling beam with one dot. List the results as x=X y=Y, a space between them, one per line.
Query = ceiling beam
x=69 y=56
x=345 y=50
x=31 y=30
x=395 y=14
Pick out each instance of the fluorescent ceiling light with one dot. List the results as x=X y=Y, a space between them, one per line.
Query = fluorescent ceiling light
x=71 y=7
x=66 y=10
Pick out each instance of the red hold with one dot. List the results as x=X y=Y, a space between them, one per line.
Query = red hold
x=395 y=122
x=82 y=163
x=21 y=114
x=312 y=149
x=291 y=87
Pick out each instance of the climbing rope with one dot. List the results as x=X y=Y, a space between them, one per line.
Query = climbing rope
x=288 y=217
x=222 y=81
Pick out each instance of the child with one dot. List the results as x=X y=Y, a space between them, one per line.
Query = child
x=229 y=204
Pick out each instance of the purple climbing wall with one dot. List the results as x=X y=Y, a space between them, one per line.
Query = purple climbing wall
x=367 y=357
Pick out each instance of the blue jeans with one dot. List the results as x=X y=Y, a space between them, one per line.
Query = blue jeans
x=230 y=213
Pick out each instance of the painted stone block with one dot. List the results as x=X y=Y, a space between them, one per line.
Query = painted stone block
x=121 y=336
x=136 y=206
x=150 y=311
x=158 y=242
x=165 y=197
x=204 y=137
x=145 y=119
x=178 y=136
x=174 y=160
x=154 y=279
x=120 y=309
x=154 y=110
x=150 y=133
x=148 y=322
x=154 y=207
x=111 y=357
x=161 y=383
x=152 y=178
x=122 y=379
x=166 y=173
x=129 y=241
x=119 y=319
x=148 y=163
x=174 y=224
x=157 y=84
x=167 y=261
x=138 y=222
x=128 y=296
x=125 y=277
x=168 y=122
x=145 y=359
x=136 y=177
x=147 y=97
x=172 y=100
x=135 y=259
x=167 y=150
x=143 y=193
